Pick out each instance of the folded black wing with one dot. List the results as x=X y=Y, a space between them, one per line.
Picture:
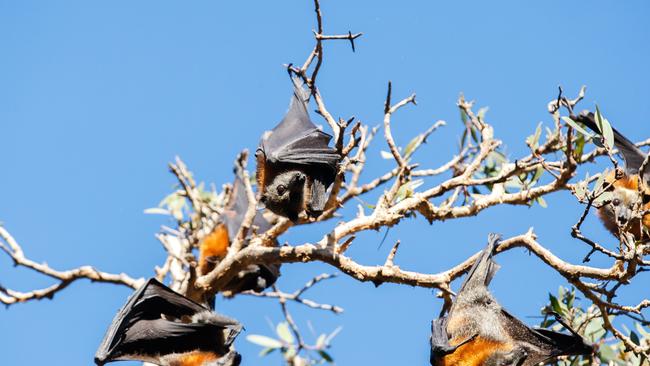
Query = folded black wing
x=632 y=155
x=543 y=345
x=256 y=277
x=484 y=269
x=440 y=346
x=296 y=140
x=157 y=321
x=233 y=216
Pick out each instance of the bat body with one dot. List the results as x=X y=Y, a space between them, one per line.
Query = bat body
x=295 y=165
x=479 y=332
x=214 y=246
x=627 y=192
x=158 y=325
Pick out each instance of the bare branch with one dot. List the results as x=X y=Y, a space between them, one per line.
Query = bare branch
x=11 y=247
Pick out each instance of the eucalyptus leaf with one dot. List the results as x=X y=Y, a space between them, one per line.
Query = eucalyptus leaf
x=325 y=356
x=576 y=126
x=264 y=341
x=605 y=128
x=386 y=155
x=266 y=351
x=283 y=331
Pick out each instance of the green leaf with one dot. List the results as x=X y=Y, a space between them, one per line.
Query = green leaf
x=266 y=351
x=474 y=134
x=538 y=174
x=463 y=117
x=325 y=356
x=579 y=148
x=156 y=211
x=605 y=128
x=598 y=186
x=386 y=155
x=576 y=126
x=642 y=331
x=412 y=145
x=580 y=191
x=635 y=338
x=321 y=341
x=481 y=113
x=595 y=329
x=533 y=140
x=264 y=341
x=542 y=202
x=333 y=334
x=606 y=353
x=555 y=304
x=283 y=331
x=289 y=352
x=407 y=189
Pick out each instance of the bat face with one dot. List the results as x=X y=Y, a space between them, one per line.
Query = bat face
x=160 y=326
x=284 y=196
x=479 y=332
x=620 y=209
x=295 y=165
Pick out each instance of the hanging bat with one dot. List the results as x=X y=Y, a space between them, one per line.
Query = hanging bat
x=158 y=325
x=214 y=246
x=626 y=191
x=479 y=332
x=295 y=165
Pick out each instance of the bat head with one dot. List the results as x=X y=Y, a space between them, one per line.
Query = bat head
x=620 y=209
x=284 y=196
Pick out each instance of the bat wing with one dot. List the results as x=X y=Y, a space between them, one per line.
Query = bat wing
x=144 y=330
x=256 y=277
x=632 y=155
x=234 y=214
x=296 y=140
x=440 y=346
x=484 y=268
x=543 y=345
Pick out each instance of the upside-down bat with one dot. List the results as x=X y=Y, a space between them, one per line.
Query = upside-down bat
x=626 y=191
x=295 y=165
x=158 y=325
x=479 y=332
x=214 y=246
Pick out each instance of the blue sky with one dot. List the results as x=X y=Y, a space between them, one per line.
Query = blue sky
x=97 y=97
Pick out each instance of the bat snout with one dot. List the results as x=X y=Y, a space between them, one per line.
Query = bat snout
x=298 y=178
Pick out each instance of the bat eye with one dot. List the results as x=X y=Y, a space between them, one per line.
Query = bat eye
x=616 y=202
x=281 y=189
x=263 y=199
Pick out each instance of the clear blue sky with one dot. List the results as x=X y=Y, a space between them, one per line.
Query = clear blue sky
x=96 y=98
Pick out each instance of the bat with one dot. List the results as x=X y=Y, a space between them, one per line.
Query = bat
x=214 y=246
x=626 y=191
x=295 y=165
x=158 y=325
x=477 y=331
